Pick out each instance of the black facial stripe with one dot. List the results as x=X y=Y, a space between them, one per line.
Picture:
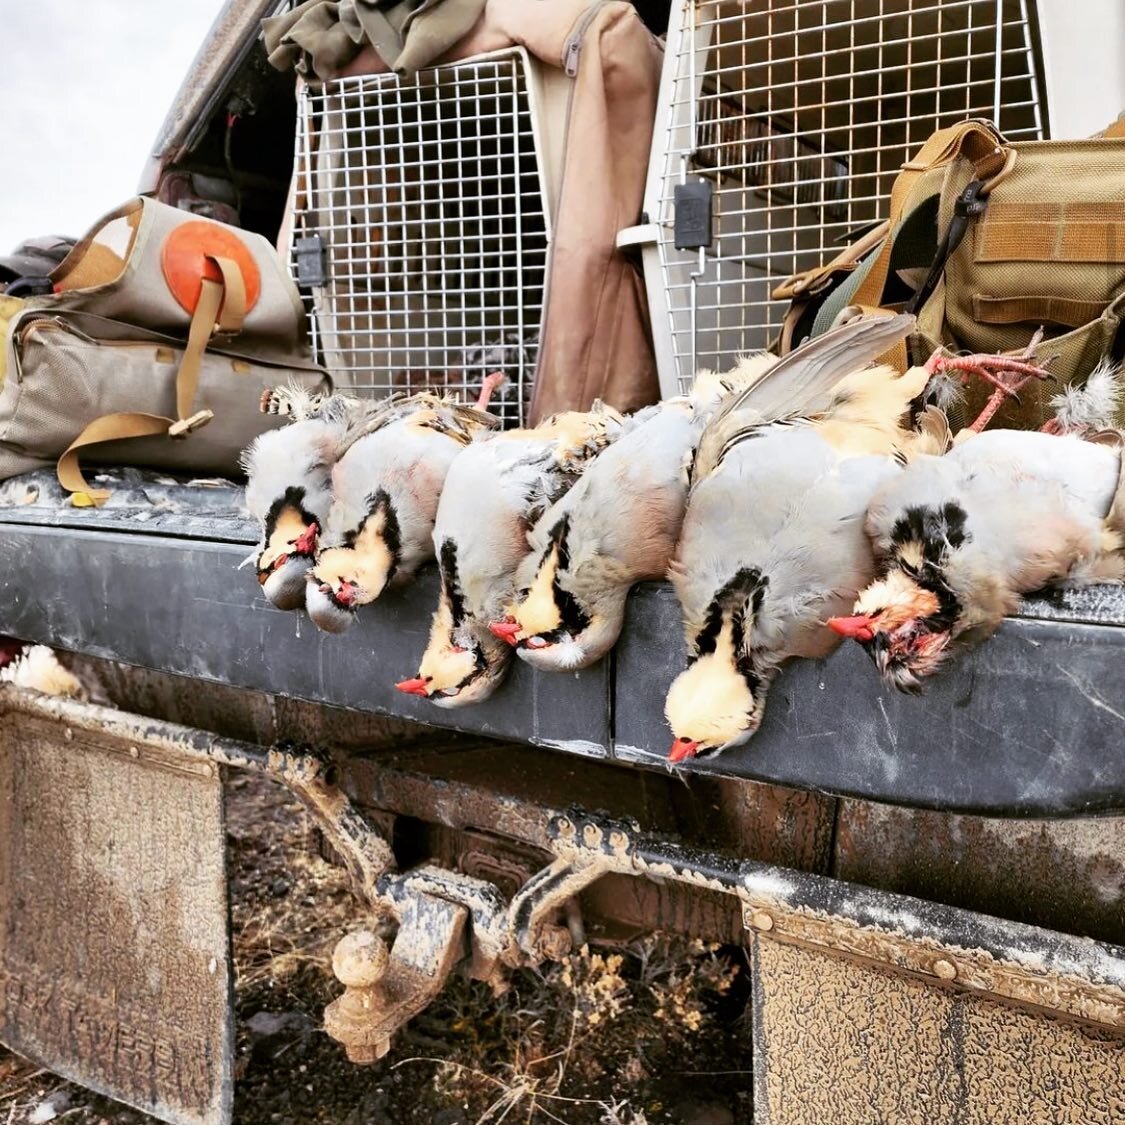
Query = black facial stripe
x=937 y=530
x=380 y=501
x=745 y=667
x=447 y=564
x=574 y=618
x=557 y=539
x=293 y=497
x=744 y=660
x=748 y=584
x=949 y=608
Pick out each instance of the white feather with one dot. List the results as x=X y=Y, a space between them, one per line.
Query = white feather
x=1092 y=406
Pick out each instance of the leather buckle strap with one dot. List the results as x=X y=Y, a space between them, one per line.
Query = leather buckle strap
x=186 y=426
x=203 y=322
x=221 y=306
x=809 y=283
x=974 y=140
x=109 y=427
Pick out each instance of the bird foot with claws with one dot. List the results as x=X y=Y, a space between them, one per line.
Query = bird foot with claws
x=1007 y=374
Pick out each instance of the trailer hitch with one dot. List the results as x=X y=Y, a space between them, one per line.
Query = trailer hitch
x=383 y=990
x=447 y=919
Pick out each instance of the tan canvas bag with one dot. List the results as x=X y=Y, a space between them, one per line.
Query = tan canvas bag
x=1042 y=244
x=162 y=334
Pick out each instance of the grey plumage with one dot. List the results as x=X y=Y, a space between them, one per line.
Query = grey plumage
x=802 y=382
x=961 y=538
x=494 y=492
x=385 y=489
x=619 y=525
x=773 y=539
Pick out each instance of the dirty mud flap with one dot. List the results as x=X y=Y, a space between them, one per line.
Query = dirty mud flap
x=870 y=1007
x=114 y=938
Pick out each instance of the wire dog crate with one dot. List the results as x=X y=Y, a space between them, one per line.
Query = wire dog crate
x=421 y=227
x=782 y=125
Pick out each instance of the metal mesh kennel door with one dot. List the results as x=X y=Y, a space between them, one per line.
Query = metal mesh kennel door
x=422 y=228
x=793 y=118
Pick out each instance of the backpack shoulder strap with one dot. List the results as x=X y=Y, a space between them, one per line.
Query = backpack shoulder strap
x=974 y=140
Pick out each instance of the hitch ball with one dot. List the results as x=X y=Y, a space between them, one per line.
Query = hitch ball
x=360 y=960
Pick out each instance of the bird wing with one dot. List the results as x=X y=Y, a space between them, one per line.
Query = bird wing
x=801 y=383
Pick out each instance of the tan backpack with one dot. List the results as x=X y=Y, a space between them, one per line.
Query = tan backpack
x=162 y=333
x=987 y=241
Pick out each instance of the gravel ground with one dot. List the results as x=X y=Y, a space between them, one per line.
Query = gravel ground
x=651 y=1032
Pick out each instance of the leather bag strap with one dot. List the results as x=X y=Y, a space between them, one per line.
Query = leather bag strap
x=221 y=307
x=978 y=142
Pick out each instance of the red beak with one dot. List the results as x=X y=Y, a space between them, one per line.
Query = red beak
x=506 y=631
x=682 y=748
x=305 y=543
x=858 y=628
x=346 y=594
x=416 y=686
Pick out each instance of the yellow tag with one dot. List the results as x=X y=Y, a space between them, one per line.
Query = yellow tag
x=81 y=500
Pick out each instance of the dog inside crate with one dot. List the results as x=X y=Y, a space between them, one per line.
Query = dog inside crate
x=427 y=199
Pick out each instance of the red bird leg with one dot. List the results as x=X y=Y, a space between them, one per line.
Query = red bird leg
x=993 y=369
x=488 y=388
x=995 y=401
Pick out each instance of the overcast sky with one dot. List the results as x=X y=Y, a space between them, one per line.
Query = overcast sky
x=85 y=85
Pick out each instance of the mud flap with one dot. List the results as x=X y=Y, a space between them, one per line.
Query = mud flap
x=115 y=966
x=870 y=1007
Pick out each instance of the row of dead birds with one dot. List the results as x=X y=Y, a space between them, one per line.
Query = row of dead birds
x=791 y=503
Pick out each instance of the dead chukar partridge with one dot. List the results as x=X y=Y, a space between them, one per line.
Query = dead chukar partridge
x=288 y=487
x=494 y=492
x=385 y=490
x=773 y=539
x=961 y=537
x=617 y=526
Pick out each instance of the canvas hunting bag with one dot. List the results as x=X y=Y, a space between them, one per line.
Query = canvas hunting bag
x=988 y=241
x=154 y=349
